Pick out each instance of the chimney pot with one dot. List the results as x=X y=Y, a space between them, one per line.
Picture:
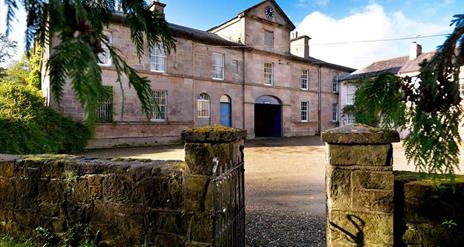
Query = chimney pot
x=156 y=5
x=415 y=50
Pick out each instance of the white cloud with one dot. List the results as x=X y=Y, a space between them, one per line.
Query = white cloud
x=368 y=23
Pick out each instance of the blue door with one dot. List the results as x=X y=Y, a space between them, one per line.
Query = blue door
x=226 y=114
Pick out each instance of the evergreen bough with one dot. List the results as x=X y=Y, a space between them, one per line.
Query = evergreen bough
x=428 y=105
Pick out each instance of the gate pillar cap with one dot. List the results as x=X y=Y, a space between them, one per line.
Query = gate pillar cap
x=360 y=134
x=213 y=134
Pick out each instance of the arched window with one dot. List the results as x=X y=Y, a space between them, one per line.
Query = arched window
x=203 y=106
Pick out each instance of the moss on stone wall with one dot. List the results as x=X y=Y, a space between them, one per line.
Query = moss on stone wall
x=428 y=211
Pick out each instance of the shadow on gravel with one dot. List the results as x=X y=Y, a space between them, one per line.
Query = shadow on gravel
x=271 y=228
x=285 y=142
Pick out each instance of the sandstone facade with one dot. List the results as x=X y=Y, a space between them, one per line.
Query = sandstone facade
x=243 y=44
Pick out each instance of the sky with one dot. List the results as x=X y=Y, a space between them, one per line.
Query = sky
x=335 y=26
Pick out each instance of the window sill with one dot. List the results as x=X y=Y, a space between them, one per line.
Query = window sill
x=158 y=120
x=159 y=72
x=203 y=117
x=304 y=89
x=218 y=79
x=268 y=85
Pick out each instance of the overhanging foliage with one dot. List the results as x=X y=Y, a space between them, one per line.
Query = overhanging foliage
x=428 y=105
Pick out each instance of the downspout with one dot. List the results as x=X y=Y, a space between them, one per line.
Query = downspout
x=319 y=100
x=243 y=88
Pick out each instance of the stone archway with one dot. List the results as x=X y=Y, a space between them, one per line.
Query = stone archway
x=268 y=116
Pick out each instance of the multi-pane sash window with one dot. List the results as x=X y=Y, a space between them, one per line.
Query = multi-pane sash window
x=159 y=98
x=304 y=79
x=350 y=94
x=335 y=84
x=269 y=73
x=304 y=111
x=104 y=110
x=203 y=106
x=104 y=58
x=218 y=66
x=269 y=39
x=158 y=59
x=334 y=112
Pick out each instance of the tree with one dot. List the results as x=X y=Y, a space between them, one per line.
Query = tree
x=79 y=25
x=429 y=105
x=26 y=71
x=7 y=48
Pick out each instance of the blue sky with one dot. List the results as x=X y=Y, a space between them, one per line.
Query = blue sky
x=329 y=21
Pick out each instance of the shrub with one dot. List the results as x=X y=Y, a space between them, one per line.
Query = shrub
x=27 y=126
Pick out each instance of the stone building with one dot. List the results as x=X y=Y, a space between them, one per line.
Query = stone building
x=246 y=73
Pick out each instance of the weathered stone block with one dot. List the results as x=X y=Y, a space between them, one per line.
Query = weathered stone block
x=201 y=228
x=7 y=190
x=338 y=188
x=373 y=180
x=7 y=169
x=360 y=134
x=213 y=134
x=359 y=228
x=197 y=193
x=373 y=201
x=361 y=155
x=199 y=156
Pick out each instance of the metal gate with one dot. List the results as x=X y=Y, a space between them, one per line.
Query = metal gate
x=228 y=204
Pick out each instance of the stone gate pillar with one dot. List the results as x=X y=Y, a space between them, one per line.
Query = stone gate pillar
x=359 y=184
x=202 y=145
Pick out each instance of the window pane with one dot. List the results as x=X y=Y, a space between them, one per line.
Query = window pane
x=304 y=79
x=158 y=59
x=268 y=73
x=218 y=66
x=105 y=57
x=304 y=111
x=104 y=110
x=159 y=98
x=203 y=106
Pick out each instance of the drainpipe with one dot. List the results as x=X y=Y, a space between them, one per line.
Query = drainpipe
x=319 y=100
x=243 y=88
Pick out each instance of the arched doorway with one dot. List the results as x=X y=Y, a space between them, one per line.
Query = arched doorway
x=268 y=117
x=225 y=111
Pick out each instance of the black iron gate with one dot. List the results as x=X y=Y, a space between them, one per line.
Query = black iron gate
x=228 y=205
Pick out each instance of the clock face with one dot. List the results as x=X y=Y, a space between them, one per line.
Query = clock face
x=269 y=12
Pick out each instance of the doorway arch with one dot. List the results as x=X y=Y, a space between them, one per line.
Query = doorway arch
x=268 y=116
x=225 y=108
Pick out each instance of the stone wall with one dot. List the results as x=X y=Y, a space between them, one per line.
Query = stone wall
x=359 y=186
x=132 y=202
x=428 y=213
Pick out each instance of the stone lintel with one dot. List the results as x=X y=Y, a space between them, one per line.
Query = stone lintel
x=213 y=134
x=360 y=134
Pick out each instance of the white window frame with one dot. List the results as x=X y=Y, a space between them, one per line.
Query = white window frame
x=201 y=102
x=159 y=111
x=218 y=68
x=335 y=84
x=105 y=56
x=335 y=113
x=158 y=54
x=350 y=94
x=304 y=111
x=350 y=118
x=267 y=42
x=304 y=79
x=269 y=74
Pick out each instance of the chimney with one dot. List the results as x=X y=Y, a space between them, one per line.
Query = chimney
x=415 y=50
x=156 y=5
x=299 y=46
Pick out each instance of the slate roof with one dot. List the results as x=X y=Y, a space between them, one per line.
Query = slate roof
x=199 y=35
x=413 y=65
x=377 y=68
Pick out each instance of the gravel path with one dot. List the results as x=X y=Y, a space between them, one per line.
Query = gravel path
x=279 y=228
